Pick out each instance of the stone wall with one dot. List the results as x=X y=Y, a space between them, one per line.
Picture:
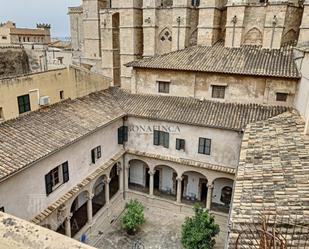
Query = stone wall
x=13 y=61
x=239 y=88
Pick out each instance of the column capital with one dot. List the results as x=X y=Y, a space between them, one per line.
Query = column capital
x=151 y=172
x=107 y=180
x=210 y=186
x=179 y=179
x=68 y=218
x=90 y=196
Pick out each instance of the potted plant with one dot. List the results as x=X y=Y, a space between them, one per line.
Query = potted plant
x=133 y=217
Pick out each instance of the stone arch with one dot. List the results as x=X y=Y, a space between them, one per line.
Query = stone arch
x=78 y=209
x=139 y=178
x=165 y=181
x=194 y=187
x=253 y=37
x=165 y=41
x=289 y=37
x=98 y=191
x=222 y=194
x=193 y=38
x=114 y=176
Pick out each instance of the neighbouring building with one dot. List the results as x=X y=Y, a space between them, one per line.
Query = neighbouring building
x=107 y=37
x=22 y=94
x=11 y=35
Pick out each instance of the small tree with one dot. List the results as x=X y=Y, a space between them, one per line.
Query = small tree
x=133 y=217
x=198 y=232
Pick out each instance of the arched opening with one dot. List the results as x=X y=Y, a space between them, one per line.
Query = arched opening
x=253 y=37
x=194 y=188
x=289 y=37
x=165 y=183
x=114 y=183
x=139 y=176
x=222 y=195
x=165 y=41
x=79 y=213
x=98 y=200
x=193 y=38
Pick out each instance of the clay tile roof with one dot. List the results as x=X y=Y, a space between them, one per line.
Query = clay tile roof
x=36 y=135
x=245 y=60
x=273 y=174
x=193 y=111
x=31 y=137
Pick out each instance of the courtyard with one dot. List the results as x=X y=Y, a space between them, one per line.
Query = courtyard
x=162 y=230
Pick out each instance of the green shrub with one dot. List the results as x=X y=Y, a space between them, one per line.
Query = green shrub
x=133 y=217
x=198 y=232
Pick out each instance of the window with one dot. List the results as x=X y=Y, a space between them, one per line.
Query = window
x=1 y=113
x=28 y=39
x=24 y=39
x=61 y=95
x=4 y=38
x=281 y=97
x=218 y=92
x=161 y=138
x=56 y=177
x=2 y=209
x=164 y=87
x=122 y=134
x=23 y=103
x=204 y=146
x=180 y=144
x=195 y=3
x=96 y=153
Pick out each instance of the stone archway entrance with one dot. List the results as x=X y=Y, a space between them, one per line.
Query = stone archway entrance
x=79 y=213
x=139 y=178
x=98 y=200
x=165 y=183
x=114 y=181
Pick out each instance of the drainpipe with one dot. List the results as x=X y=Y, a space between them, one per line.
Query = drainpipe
x=234 y=21
x=275 y=20
x=178 y=34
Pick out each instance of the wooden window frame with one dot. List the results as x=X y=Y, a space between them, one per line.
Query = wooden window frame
x=96 y=153
x=161 y=138
x=56 y=177
x=218 y=92
x=163 y=86
x=123 y=134
x=279 y=96
x=180 y=144
x=204 y=146
x=23 y=103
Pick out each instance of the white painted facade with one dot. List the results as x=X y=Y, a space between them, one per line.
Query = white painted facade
x=24 y=194
x=137 y=172
x=225 y=145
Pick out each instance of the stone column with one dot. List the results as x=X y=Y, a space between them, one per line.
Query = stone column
x=179 y=180
x=151 y=180
x=107 y=181
x=209 y=196
x=89 y=207
x=126 y=178
x=67 y=224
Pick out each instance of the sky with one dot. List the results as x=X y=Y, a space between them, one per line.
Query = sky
x=27 y=13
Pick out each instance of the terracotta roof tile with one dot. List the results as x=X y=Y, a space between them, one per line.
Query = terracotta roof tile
x=245 y=60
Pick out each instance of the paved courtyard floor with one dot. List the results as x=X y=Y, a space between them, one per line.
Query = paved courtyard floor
x=162 y=230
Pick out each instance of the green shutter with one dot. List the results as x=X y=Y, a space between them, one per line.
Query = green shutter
x=120 y=135
x=156 y=137
x=65 y=171
x=207 y=146
x=125 y=133
x=48 y=183
x=166 y=141
x=93 y=156
x=201 y=145
x=177 y=144
x=182 y=144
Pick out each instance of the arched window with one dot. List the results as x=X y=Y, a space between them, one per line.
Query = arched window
x=253 y=37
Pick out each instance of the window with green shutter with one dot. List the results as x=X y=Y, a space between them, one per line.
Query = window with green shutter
x=204 y=146
x=161 y=138
x=180 y=144
x=96 y=153
x=56 y=177
x=23 y=103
